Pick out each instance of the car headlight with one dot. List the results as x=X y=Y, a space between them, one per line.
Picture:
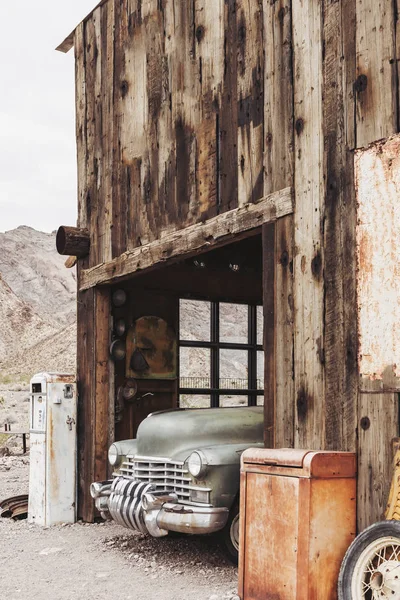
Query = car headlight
x=114 y=456
x=197 y=464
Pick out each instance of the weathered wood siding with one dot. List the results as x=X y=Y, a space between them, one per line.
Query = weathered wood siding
x=170 y=116
x=186 y=110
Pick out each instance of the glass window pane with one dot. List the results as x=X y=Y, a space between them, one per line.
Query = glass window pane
x=260 y=370
x=194 y=401
x=260 y=400
x=194 y=367
x=233 y=369
x=226 y=401
x=194 y=319
x=260 y=324
x=233 y=323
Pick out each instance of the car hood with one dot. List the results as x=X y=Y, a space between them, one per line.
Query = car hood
x=174 y=434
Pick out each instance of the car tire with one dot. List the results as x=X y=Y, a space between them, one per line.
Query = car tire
x=230 y=534
x=366 y=569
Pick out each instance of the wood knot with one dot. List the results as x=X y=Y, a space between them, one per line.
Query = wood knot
x=284 y=260
x=302 y=404
x=316 y=265
x=242 y=34
x=124 y=88
x=200 y=33
x=299 y=126
x=361 y=83
x=365 y=423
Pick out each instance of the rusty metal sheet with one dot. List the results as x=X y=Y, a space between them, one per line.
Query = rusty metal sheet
x=295 y=530
x=15 y=507
x=377 y=171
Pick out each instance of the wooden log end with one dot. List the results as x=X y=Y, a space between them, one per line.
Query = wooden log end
x=73 y=241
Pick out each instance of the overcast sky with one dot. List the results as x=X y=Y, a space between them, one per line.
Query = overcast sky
x=37 y=113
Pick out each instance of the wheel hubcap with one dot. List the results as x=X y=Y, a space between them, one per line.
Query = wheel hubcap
x=234 y=532
x=377 y=571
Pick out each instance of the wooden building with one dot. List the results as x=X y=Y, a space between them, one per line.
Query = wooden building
x=220 y=128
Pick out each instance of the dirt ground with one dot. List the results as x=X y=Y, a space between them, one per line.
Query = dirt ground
x=102 y=561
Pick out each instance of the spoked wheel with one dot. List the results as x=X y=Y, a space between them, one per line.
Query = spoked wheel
x=371 y=568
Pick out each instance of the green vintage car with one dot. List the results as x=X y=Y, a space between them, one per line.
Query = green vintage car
x=181 y=473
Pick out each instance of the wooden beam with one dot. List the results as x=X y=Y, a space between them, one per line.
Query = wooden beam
x=191 y=240
x=72 y=241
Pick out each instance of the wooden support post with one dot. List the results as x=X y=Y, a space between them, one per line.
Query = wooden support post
x=269 y=293
x=278 y=166
x=339 y=349
x=308 y=261
x=95 y=400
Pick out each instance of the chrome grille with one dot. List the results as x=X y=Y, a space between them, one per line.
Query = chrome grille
x=164 y=474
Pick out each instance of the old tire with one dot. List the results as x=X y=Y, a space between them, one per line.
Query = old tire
x=230 y=534
x=371 y=567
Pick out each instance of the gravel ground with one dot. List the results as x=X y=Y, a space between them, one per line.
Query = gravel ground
x=103 y=561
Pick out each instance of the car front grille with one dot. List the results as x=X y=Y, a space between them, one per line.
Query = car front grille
x=164 y=474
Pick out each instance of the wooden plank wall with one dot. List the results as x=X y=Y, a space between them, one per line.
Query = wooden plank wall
x=188 y=109
x=172 y=111
x=330 y=86
x=309 y=141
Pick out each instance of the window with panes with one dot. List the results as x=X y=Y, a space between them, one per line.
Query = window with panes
x=221 y=354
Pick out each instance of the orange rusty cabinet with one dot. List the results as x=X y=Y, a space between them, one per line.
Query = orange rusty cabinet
x=297 y=519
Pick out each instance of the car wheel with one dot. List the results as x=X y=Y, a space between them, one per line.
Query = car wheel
x=370 y=569
x=230 y=534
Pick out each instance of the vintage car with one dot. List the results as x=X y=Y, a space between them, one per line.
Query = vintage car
x=181 y=473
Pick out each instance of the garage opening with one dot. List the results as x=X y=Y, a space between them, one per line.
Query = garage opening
x=207 y=312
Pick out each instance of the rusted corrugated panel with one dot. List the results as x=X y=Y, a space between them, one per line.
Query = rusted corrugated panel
x=15 y=507
x=378 y=255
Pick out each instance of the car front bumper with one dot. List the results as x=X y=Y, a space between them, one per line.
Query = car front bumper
x=136 y=505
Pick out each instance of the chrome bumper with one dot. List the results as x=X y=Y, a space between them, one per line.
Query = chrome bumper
x=138 y=506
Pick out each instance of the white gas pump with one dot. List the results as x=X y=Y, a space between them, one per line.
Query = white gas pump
x=52 y=475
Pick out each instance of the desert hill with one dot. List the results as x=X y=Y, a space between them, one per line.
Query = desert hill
x=37 y=304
